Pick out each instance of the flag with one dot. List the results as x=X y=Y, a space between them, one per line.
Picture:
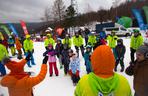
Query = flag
x=6 y=30
x=137 y=14
x=13 y=29
x=145 y=8
x=23 y=24
x=1 y=36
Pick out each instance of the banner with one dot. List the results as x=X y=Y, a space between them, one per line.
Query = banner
x=145 y=8
x=13 y=29
x=139 y=18
x=6 y=30
x=23 y=24
x=1 y=36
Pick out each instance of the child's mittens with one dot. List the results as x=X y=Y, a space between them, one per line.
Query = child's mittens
x=77 y=73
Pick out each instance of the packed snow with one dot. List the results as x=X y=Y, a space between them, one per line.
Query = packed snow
x=62 y=85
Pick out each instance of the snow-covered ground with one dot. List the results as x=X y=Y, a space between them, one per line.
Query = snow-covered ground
x=62 y=85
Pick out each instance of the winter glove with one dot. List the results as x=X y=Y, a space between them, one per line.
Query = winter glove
x=77 y=73
x=130 y=70
x=133 y=63
x=45 y=60
x=70 y=72
x=45 y=53
x=28 y=56
x=32 y=50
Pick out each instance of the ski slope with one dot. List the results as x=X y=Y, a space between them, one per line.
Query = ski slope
x=62 y=85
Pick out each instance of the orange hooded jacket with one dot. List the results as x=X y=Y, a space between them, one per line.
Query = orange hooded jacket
x=18 y=82
x=18 y=44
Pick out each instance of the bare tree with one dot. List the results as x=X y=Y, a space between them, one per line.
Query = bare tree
x=48 y=14
x=55 y=13
x=58 y=10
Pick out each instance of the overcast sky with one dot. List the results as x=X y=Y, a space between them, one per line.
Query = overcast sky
x=33 y=10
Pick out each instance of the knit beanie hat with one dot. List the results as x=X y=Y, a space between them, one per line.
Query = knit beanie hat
x=143 y=50
x=28 y=36
x=136 y=31
x=103 y=61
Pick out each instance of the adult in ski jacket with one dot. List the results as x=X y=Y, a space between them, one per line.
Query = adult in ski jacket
x=28 y=46
x=135 y=43
x=3 y=54
x=78 y=43
x=92 y=39
x=49 y=40
x=103 y=81
x=139 y=70
x=67 y=41
x=112 y=42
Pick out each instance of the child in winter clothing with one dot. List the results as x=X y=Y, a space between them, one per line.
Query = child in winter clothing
x=18 y=47
x=120 y=51
x=65 y=58
x=74 y=68
x=59 y=48
x=52 y=60
x=11 y=45
x=87 y=55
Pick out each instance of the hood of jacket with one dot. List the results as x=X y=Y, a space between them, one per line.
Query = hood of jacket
x=104 y=86
x=103 y=61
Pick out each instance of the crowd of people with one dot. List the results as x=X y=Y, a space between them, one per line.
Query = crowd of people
x=101 y=54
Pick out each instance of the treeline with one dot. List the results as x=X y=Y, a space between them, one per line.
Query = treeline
x=103 y=15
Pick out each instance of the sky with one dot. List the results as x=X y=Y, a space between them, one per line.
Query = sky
x=33 y=10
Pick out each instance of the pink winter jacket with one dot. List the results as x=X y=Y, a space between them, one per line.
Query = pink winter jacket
x=51 y=57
